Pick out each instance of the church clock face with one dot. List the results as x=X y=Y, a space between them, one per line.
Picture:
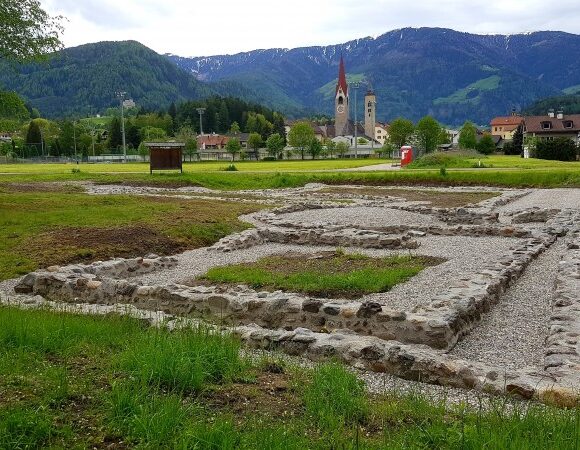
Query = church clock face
x=340 y=109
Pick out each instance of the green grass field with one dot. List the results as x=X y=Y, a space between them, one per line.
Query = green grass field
x=202 y=167
x=72 y=381
x=40 y=228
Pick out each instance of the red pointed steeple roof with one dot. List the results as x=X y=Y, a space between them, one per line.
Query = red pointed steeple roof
x=341 y=78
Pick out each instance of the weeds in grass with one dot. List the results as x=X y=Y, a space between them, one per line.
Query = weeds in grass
x=336 y=397
x=183 y=361
x=25 y=428
x=128 y=408
x=231 y=168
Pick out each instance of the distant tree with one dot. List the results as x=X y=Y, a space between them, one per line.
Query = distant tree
x=12 y=106
x=27 y=31
x=400 y=131
x=428 y=133
x=233 y=147
x=342 y=149
x=186 y=134
x=387 y=150
x=300 y=136
x=444 y=137
x=255 y=142
x=314 y=148
x=150 y=134
x=330 y=147
x=235 y=128
x=362 y=141
x=33 y=136
x=115 y=139
x=275 y=144
x=143 y=150
x=518 y=140
x=560 y=149
x=468 y=136
x=486 y=145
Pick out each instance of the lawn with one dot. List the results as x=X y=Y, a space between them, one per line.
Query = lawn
x=325 y=274
x=39 y=228
x=466 y=160
x=70 y=381
x=201 y=167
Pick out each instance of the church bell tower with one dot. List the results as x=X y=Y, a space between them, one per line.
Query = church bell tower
x=341 y=102
x=370 y=113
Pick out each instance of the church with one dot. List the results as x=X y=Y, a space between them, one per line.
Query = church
x=344 y=127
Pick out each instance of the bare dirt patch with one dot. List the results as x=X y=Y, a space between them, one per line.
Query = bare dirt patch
x=74 y=244
x=440 y=199
x=41 y=187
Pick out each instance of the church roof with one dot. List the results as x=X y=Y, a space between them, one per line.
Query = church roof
x=342 y=84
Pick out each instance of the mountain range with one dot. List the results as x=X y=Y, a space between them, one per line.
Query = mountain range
x=451 y=75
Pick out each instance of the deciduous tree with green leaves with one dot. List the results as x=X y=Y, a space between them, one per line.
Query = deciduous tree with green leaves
x=300 y=136
x=315 y=148
x=233 y=147
x=342 y=149
x=400 y=131
x=468 y=136
x=255 y=142
x=27 y=32
x=275 y=144
x=428 y=133
x=486 y=145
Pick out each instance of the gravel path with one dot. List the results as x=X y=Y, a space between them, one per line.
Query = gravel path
x=545 y=198
x=363 y=216
x=512 y=334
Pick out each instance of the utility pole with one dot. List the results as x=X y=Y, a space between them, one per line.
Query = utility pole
x=201 y=112
x=355 y=85
x=121 y=96
x=75 y=139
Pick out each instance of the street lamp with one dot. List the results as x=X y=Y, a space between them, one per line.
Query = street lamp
x=355 y=86
x=121 y=96
x=201 y=112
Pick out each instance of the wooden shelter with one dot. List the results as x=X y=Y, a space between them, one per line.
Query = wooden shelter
x=165 y=155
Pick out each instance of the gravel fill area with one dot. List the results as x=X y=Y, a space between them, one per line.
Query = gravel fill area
x=513 y=333
x=545 y=198
x=465 y=255
x=362 y=216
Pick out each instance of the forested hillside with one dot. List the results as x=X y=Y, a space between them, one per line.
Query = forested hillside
x=83 y=80
x=448 y=74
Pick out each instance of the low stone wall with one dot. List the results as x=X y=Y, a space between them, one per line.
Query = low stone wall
x=412 y=362
x=334 y=236
x=531 y=215
x=562 y=357
x=114 y=268
x=438 y=324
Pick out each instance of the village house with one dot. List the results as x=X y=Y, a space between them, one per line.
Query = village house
x=553 y=125
x=505 y=127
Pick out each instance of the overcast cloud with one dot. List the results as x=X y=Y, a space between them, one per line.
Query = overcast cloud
x=210 y=27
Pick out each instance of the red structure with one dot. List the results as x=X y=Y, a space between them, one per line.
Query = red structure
x=406 y=155
x=165 y=156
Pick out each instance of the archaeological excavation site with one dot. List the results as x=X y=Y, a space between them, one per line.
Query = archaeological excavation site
x=471 y=289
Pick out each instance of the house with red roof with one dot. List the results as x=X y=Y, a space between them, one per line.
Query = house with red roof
x=505 y=127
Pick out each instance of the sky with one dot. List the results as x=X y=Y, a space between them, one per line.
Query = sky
x=212 y=27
